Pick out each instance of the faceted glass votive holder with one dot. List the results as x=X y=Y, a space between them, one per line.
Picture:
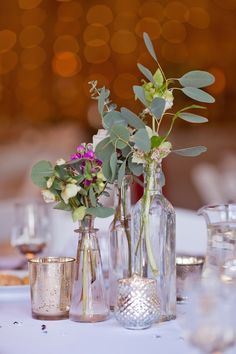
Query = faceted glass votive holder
x=137 y=304
x=50 y=285
x=187 y=267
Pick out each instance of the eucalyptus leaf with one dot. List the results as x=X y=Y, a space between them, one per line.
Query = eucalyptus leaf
x=149 y=46
x=162 y=179
x=79 y=213
x=92 y=197
x=192 y=118
x=191 y=151
x=100 y=212
x=121 y=173
x=106 y=169
x=198 y=94
x=158 y=107
x=101 y=100
x=113 y=165
x=132 y=119
x=62 y=206
x=112 y=118
x=141 y=140
x=104 y=149
x=120 y=136
x=139 y=93
x=136 y=169
x=40 y=171
x=147 y=73
x=197 y=78
x=126 y=151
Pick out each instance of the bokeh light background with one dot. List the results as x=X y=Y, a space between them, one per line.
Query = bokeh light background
x=49 y=50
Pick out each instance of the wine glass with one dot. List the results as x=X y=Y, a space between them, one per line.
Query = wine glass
x=31 y=229
x=209 y=322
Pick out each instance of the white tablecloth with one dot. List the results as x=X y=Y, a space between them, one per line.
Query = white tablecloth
x=26 y=336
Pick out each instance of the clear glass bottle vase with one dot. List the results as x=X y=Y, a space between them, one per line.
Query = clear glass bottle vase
x=89 y=299
x=120 y=253
x=154 y=240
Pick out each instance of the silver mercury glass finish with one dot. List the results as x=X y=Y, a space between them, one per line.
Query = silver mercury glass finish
x=137 y=305
x=120 y=252
x=154 y=240
x=187 y=267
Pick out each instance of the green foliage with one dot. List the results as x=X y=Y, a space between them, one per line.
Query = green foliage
x=191 y=151
x=149 y=46
x=100 y=212
x=156 y=141
x=132 y=119
x=79 y=213
x=198 y=94
x=142 y=140
x=104 y=149
x=192 y=118
x=119 y=136
x=157 y=107
x=113 y=118
x=147 y=73
x=139 y=93
x=197 y=78
x=121 y=173
x=40 y=171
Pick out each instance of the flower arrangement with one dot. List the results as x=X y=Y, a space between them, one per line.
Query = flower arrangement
x=132 y=140
x=75 y=185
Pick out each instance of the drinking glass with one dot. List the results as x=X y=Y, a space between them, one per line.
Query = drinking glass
x=31 y=230
x=209 y=322
x=221 y=236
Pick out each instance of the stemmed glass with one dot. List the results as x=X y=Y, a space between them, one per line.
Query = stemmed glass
x=31 y=229
x=210 y=319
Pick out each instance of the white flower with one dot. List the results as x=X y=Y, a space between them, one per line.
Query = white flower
x=161 y=152
x=50 y=181
x=48 y=196
x=138 y=157
x=60 y=162
x=168 y=96
x=69 y=191
x=101 y=134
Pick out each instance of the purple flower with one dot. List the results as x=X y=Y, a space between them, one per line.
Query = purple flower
x=87 y=182
x=98 y=162
x=73 y=157
x=89 y=155
x=89 y=146
x=80 y=149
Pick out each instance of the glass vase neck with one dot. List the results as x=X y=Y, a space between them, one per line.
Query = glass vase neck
x=87 y=223
x=122 y=198
x=153 y=177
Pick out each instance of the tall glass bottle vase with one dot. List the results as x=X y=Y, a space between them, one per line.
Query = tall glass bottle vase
x=120 y=255
x=154 y=240
x=89 y=300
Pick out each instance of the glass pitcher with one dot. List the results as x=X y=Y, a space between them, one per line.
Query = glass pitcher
x=221 y=233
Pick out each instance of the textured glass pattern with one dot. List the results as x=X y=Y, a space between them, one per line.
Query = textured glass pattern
x=154 y=241
x=137 y=306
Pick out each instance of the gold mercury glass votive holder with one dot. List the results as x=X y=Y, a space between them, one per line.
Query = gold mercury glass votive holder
x=187 y=268
x=137 y=304
x=50 y=284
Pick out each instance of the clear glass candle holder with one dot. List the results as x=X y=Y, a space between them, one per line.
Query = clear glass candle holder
x=137 y=304
x=51 y=283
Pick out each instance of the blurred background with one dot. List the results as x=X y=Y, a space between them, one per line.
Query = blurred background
x=49 y=50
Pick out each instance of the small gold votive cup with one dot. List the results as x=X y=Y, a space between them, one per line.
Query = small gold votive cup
x=50 y=284
x=187 y=268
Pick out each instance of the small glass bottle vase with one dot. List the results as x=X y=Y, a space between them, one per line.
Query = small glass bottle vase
x=120 y=255
x=89 y=300
x=154 y=240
